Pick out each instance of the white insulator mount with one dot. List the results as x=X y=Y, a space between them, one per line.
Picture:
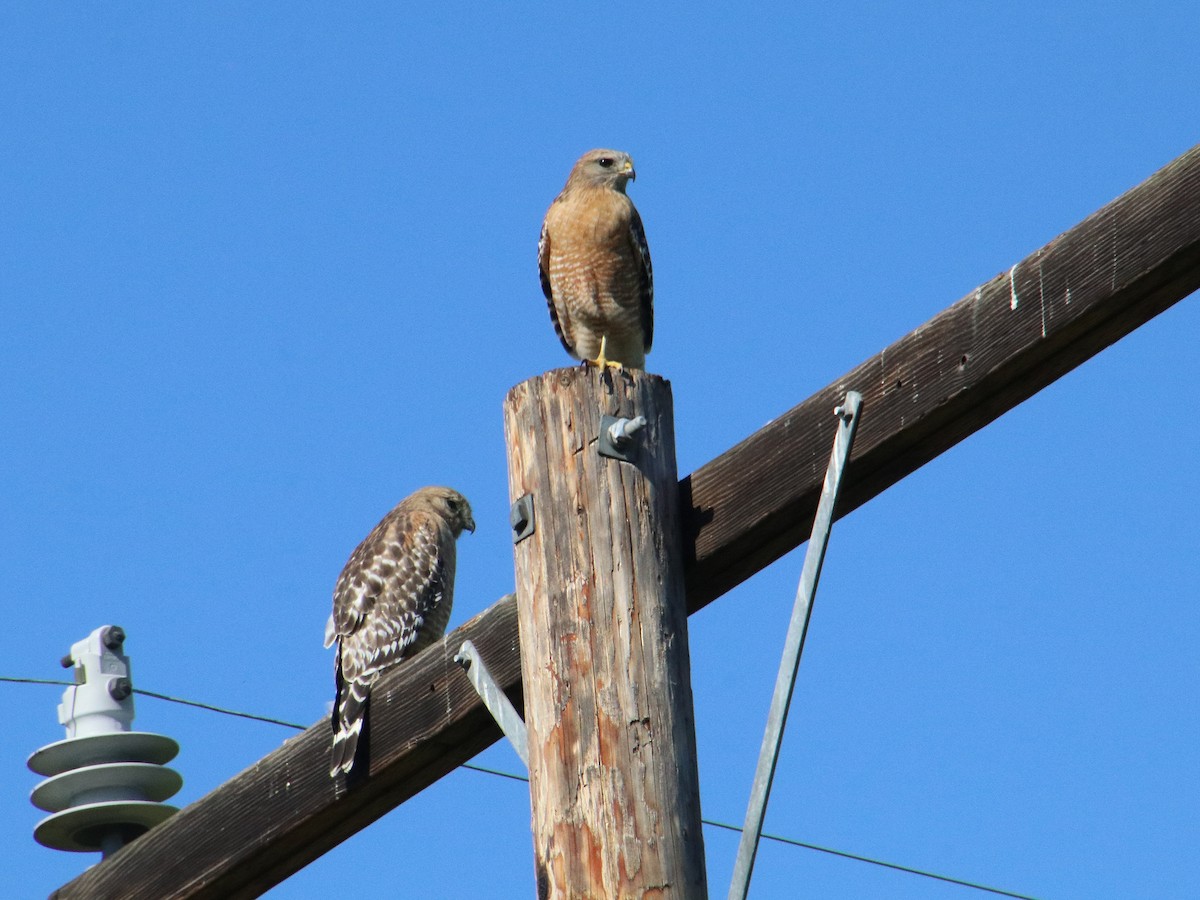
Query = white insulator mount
x=106 y=783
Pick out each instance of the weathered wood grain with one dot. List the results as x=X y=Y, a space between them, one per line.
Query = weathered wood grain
x=608 y=701
x=1084 y=290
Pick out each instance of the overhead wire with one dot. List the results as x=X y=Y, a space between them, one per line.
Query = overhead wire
x=876 y=862
x=515 y=777
x=145 y=693
x=219 y=709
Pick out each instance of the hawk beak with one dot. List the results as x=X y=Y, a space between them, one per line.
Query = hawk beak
x=469 y=525
x=629 y=170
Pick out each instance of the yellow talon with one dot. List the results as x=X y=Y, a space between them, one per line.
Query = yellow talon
x=602 y=361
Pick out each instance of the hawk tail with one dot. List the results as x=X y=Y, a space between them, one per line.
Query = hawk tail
x=347 y=724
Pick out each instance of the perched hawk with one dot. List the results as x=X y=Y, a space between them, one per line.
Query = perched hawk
x=392 y=599
x=595 y=264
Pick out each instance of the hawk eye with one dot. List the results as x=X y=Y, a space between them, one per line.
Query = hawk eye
x=606 y=162
x=453 y=504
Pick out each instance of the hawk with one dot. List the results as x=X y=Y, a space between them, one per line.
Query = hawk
x=392 y=599
x=595 y=265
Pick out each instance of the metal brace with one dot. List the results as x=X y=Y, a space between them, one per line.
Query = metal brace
x=785 y=682
x=494 y=699
x=521 y=518
x=617 y=436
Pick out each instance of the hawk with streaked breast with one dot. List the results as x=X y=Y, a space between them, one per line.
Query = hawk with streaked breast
x=595 y=265
x=392 y=599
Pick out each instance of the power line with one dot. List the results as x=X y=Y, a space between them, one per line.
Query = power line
x=487 y=771
x=794 y=843
x=37 y=681
x=220 y=709
x=877 y=862
x=515 y=777
x=158 y=696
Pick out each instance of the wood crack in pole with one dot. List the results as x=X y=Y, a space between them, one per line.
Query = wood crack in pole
x=603 y=622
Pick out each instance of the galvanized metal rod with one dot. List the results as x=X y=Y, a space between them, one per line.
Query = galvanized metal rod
x=785 y=682
x=494 y=699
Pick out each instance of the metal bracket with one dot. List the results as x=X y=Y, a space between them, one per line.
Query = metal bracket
x=617 y=436
x=521 y=518
x=785 y=682
x=494 y=699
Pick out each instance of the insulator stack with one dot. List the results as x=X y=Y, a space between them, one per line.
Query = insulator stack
x=106 y=782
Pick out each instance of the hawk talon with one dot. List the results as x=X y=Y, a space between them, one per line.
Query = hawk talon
x=601 y=361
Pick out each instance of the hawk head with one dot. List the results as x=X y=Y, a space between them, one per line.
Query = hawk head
x=449 y=505
x=603 y=169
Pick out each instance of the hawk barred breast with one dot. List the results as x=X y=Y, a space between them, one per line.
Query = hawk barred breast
x=595 y=265
x=392 y=599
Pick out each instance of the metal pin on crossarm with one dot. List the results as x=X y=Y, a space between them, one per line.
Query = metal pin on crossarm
x=785 y=682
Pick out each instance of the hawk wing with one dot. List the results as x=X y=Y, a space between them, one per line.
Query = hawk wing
x=637 y=236
x=561 y=327
x=392 y=583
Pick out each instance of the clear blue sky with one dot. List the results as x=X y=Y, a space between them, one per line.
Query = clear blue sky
x=267 y=268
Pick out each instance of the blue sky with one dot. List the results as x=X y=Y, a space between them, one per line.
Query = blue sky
x=265 y=269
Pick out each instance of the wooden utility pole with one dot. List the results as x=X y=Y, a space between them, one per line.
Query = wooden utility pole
x=603 y=623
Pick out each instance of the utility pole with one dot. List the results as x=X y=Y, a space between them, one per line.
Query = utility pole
x=985 y=354
x=603 y=623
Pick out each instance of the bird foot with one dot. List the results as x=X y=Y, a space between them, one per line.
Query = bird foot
x=604 y=365
x=602 y=362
